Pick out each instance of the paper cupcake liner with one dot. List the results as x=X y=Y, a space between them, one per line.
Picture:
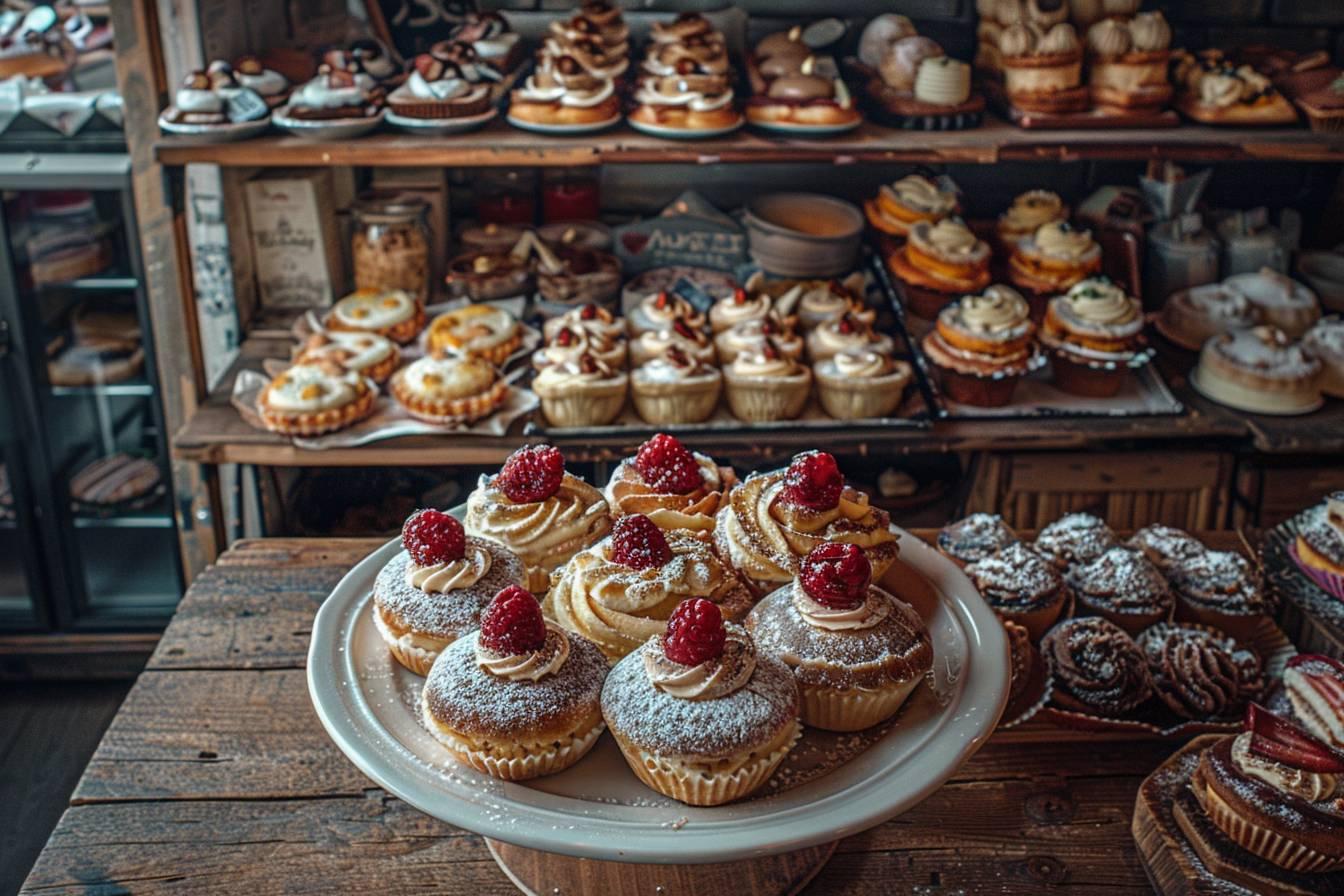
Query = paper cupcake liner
x=768 y=400
x=417 y=659
x=584 y=407
x=851 y=710
x=696 y=789
x=1331 y=583
x=1263 y=842
x=859 y=400
x=688 y=406
x=520 y=768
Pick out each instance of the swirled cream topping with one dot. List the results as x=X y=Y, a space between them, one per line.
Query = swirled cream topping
x=867 y=614
x=1059 y=39
x=1312 y=786
x=451 y=575
x=709 y=680
x=1058 y=240
x=652 y=343
x=1032 y=209
x=672 y=366
x=1108 y=38
x=920 y=193
x=586 y=369
x=1099 y=301
x=950 y=240
x=862 y=364
x=532 y=666
x=757 y=363
x=1149 y=32
x=999 y=309
x=1017 y=39
x=534 y=529
x=1219 y=89
x=305 y=388
x=739 y=307
x=662 y=309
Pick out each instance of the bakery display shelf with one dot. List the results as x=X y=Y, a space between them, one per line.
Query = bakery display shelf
x=502 y=145
x=130 y=389
x=150 y=518
x=109 y=282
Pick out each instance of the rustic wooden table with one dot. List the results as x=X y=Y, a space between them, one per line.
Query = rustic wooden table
x=216 y=777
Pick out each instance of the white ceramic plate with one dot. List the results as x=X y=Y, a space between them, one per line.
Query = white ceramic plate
x=805 y=130
x=599 y=809
x=440 y=126
x=1269 y=410
x=240 y=130
x=561 y=130
x=326 y=129
x=657 y=130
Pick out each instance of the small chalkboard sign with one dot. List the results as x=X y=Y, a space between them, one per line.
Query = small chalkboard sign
x=413 y=26
x=694 y=293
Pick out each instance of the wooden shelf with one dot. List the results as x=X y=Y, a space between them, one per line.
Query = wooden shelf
x=500 y=144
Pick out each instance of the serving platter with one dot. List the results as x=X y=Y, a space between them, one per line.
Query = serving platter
x=831 y=785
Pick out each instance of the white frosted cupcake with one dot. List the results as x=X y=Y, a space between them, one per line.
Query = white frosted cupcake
x=846 y=333
x=654 y=343
x=582 y=393
x=764 y=385
x=676 y=388
x=861 y=384
x=751 y=334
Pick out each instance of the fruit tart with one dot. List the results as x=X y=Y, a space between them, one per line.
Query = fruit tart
x=393 y=313
x=367 y=354
x=975 y=537
x=861 y=384
x=487 y=332
x=1094 y=334
x=856 y=651
x=673 y=486
x=1020 y=586
x=982 y=345
x=449 y=391
x=521 y=697
x=1314 y=684
x=1199 y=672
x=899 y=206
x=1318 y=549
x=675 y=388
x=764 y=384
x=444 y=83
x=1274 y=790
x=939 y=262
x=433 y=592
x=620 y=592
x=1097 y=668
x=1053 y=259
x=699 y=713
x=540 y=511
x=1123 y=586
x=772 y=520
x=313 y=399
x=583 y=392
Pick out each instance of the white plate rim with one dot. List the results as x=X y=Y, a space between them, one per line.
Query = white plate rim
x=803 y=130
x=350 y=127
x=562 y=130
x=667 y=133
x=441 y=125
x=837 y=814
x=234 y=130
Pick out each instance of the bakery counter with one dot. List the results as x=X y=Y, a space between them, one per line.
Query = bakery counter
x=502 y=145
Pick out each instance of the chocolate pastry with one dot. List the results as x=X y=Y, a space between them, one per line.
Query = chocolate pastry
x=1199 y=672
x=1074 y=539
x=1097 y=667
x=1123 y=586
x=1165 y=546
x=974 y=538
x=1022 y=655
x=1315 y=687
x=1220 y=588
x=1021 y=586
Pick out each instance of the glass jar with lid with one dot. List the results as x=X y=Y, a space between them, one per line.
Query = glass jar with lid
x=390 y=245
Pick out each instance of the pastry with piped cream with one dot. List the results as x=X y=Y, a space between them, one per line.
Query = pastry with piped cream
x=1043 y=69
x=1127 y=62
x=1094 y=333
x=939 y=262
x=900 y=205
x=982 y=345
x=673 y=486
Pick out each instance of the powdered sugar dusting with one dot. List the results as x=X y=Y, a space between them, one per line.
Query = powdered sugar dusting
x=1016 y=578
x=446 y=615
x=1075 y=538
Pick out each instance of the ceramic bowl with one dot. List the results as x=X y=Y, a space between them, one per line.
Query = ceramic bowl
x=803 y=234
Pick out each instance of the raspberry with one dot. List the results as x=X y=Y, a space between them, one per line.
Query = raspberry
x=564 y=337
x=813 y=481
x=432 y=536
x=846 y=324
x=531 y=474
x=836 y=575
x=512 y=623
x=588 y=311
x=694 y=633
x=637 y=543
x=739 y=296
x=770 y=351
x=662 y=300
x=664 y=463
x=683 y=329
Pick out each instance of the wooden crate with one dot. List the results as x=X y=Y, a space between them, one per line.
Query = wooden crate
x=1271 y=490
x=1189 y=489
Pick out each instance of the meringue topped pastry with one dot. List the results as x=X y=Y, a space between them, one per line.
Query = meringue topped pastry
x=1191 y=317
x=676 y=488
x=1043 y=68
x=1259 y=370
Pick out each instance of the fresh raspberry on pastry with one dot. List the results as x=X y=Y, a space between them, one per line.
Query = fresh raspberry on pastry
x=695 y=632
x=512 y=625
x=637 y=543
x=666 y=464
x=532 y=474
x=432 y=536
x=813 y=481
x=836 y=575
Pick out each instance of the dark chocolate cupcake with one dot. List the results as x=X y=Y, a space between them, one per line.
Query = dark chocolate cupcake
x=1199 y=672
x=1122 y=586
x=1165 y=546
x=1074 y=539
x=1096 y=666
x=1221 y=589
x=974 y=538
x=1021 y=587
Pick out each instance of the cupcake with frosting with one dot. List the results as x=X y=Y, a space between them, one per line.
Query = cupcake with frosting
x=675 y=487
x=585 y=392
x=691 y=340
x=899 y=206
x=861 y=384
x=1095 y=336
x=765 y=385
x=749 y=335
x=590 y=318
x=1028 y=213
x=1053 y=259
x=846 y=333
x=982 y=345
x=657 y=311
x=570 y=344
x=938 y=263
x=740 y=307
x=675 y=388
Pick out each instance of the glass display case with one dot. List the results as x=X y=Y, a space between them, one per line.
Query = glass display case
x=87 y=530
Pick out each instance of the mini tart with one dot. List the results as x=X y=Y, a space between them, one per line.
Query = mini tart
x=740 y=307
x=1220 y=589
x=675 y=388
x=1020 y=586
x=1074 y=539
x=523 y=728
x=659 y=311
x=846 y=334
x=722 y=738
x=1095 y=335
x=861 y=385
x=1259 y=370
x=1325 y=343
x=766 y=539
x=1314 y=684
x=619 y=608
x=586 y=393
x=569 y=345
x=420 y=610
x=1283 y=302
x=938 y=262
x=764 y=386
x=1318 y=549
x=1290 y=817
x=449 y=391
x=750 y=335
x=694 y=511
x=900 y=205
x=1096 y=666
x=313 y=399
x=1123 y=586
x=476 y=331
x=974 y=538
x=854 y=668
x=367 y=354
x=1053 y=259
x=544 y=534
x=392 y=313
x=981 y=345
x=1029 y=211
x=1199 y=672
x=1191 y=317
x=1165 y=546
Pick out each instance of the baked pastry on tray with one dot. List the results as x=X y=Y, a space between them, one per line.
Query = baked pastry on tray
x=982 y=345
x=673 y=486
x=1199 y=672
x=1043 y=70
x=449 y=391
x=1259 y=370
x=793 y=87
x=393 y=313
x=367 y=354
x=488 y=332
x=1097 y=668
x=861 y=384
x=1053 y=259
x=675 y=388
x=582 y=392
x=975 y=537
x=312 y=399
x=1191 y=317
x=1020 y=586
x=1127 y=62
x=1123 y=586
x=899 y=205
x=1211 y=90
x=764 y=384
x=939 y=262
x=444 y=83
x=1094 y=333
